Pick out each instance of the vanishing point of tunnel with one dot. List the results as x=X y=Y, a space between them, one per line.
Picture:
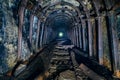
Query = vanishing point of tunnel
x=59 y=39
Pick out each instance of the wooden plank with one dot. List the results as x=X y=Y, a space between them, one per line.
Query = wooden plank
x=91 y=74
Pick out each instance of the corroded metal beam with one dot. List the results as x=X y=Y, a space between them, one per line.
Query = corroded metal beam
x=100 y=41
x=87 y=13
x=57 y=3
x=99 y=35
x=78 y=41
x=41 y=35
x=71 y=34
x=38 y=33
x=83 y=35
x=76 y=28
x=99 y=29
x=75 y=36
x=21 y=22
x=90 y=38
x=113 y=41
x=44 y=35
x=31 y=27
x=80 y=36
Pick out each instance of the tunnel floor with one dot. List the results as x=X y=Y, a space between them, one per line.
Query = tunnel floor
x=61 y=65
x=63 y=61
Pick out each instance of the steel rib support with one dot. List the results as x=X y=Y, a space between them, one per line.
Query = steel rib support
x=38 y=33
x=83 y=35
x=20 y=25
x=80 y=36
x=72 y=35
x=100 y=41
x=113 y=41
x=90 y=38
x=31 y=28
x=76 y=36
x=45 y=35
x=41 y=36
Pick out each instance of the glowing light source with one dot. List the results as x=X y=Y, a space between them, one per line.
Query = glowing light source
x=60 y=34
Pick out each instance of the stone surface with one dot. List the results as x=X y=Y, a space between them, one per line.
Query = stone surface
x=9 y=35
x=67 y=75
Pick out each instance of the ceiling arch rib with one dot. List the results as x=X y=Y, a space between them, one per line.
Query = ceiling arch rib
x=80 y=2
x=87 y=12
x=65 y=3
x=60 y=10
x=45 y=3
x=60 y=18
x=70 y=13
x=85 y=8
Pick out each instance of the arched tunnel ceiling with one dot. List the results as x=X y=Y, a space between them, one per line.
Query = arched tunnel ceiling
x=101 y=4
x=61 y=20
x=46 y=2
x=86 y=9
x=65 y=19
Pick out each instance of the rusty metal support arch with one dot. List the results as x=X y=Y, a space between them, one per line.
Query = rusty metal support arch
x=65 y=3
x=79 y=14
x=89 y=27
x=31 y=28
x=113 y=41
x=99 y=35
x=38 y=33
x=21 y=22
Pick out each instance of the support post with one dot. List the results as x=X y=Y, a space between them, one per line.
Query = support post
x=46 y=36
x=100 y=41
x=90 y=38
x=83 y=35
x=73 y=37
x=76 y=35
x=113 y=42
x=38 y=33
x=21 y=22
x=80 y=36
x=31 y=28
x=78 y=42
x=41 y=36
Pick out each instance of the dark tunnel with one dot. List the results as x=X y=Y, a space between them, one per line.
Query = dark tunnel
x=59 y=39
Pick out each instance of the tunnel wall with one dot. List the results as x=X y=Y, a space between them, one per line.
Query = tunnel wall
x=9 y=35
x=106 y=52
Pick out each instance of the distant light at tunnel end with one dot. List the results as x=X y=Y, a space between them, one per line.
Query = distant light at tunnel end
x=60 y=34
